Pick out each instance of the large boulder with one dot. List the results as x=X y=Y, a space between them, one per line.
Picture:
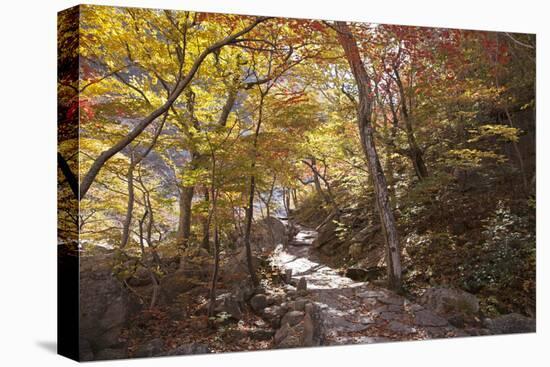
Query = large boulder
x=277 y=232
x=292 y=318
x=230 y=305
x=274 y=314
x=453 y=304
x=289 y=336
x=235 y=269
x=511 y=324
x=300 y=328
x=104 y=308
x=258 y=302
x=141 y=277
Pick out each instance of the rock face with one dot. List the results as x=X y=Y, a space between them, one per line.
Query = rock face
x=149 y=349
x=327 y=236
x=450 y=303
x=191 y=348
x=511 y=324
x=104 y=308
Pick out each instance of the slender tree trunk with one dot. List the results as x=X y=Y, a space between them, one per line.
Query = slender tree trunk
x=214 y=283
x=205 y=243
x=316 y=180
x=364 y=111
x=249 y=215
x=130 y=206
x=134 y=162
x=247 y=229
x=328 y=196
x=515 y=145
x=416 y=155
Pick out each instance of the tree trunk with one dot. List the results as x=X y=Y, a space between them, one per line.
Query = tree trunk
x=316 y=181
x=364 y=111
x=129 y=208
x=249 y=215
x=294 y=198
x=247 y=229
x=214 y=284
x=328 y=196
x=184 y=224
x=415 y=152
x=205 y=243
x=130 y=177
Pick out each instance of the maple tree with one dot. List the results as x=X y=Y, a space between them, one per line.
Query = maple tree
x=195 y=127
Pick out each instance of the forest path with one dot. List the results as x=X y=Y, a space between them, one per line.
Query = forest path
x=355 y=312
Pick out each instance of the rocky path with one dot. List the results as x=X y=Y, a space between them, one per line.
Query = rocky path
x=355 y=312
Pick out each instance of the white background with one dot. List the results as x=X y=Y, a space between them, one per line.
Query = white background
x=28 y=181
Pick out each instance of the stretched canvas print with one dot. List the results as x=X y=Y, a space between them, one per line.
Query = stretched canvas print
x=239 y=183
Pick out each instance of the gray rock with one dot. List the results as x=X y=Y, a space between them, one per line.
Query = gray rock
x=185 y=349
x=292 y=318
x=428 y=318
x=511 y=324
x=258 y=302
x=399 y=327
x=149 y=349
x=312 y=334
x=298 y=305
x=273 y=315
x=288 y=276
x=390 y=316
x=111 y=353
x=302 y=285
x=288 y=336
x=140 y=278
x=104 y=304
x=228 y=304
x=261 y=334
x=477 y=331
x=85 y=351
x=173 y=285
x=450 y=302
x=372 y=294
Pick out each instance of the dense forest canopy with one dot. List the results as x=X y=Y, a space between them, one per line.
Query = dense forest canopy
x=195 y=126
